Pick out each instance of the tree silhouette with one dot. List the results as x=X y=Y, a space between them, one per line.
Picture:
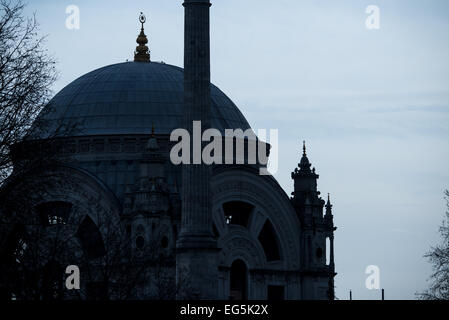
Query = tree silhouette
x=38 y=243
x=27 y=73
x=439 y=258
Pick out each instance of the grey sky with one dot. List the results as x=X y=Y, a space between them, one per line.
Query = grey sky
x=373 y=106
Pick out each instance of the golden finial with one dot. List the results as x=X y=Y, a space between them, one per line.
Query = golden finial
x=142 y=53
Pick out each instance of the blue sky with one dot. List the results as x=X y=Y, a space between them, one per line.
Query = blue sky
x=373 y=106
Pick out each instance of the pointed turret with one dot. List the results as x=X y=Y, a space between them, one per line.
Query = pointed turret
x=328 y=207
x=305 y=179
x=304 y=164
x=315 y=227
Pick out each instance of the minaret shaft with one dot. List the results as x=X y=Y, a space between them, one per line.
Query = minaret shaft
x=197 y=63
x=196 y=206
x=196 y=258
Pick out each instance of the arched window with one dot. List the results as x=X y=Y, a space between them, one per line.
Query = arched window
x=237 y=212
x=54 y=212
x=269 y=242
x=164 y=242
x=90 y=238
x=140 y=242
x=238 y=281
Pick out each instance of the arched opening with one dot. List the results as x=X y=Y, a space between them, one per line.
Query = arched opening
x=238 y=281
x=328 y=251
x=164 y=242
x=269 y=242
x=90 y=238
x=237 y=212
x=54 y=212
x=140 y=242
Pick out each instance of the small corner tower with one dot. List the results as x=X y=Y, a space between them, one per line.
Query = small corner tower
x=317 y=233
x=305 y=179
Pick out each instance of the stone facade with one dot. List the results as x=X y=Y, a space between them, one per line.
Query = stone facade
x=280 y=240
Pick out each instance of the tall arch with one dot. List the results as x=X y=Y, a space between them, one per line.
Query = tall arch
x=91 y=239
x=243 y=184
x=270 y=242
x=238 y=281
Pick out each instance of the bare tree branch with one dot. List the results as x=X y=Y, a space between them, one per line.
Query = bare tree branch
x=439 y=258
x=27 y=73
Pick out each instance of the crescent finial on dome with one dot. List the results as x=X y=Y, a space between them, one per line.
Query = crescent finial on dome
x=142 y=53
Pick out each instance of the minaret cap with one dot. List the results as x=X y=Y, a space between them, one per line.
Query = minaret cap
x=304 y=163
x=142 y=53
x=328 y=205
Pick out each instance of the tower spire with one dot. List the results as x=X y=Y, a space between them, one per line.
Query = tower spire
x=142 y=53
x=304 y=164
x=328 y=206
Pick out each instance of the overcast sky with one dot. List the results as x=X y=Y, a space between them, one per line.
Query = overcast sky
x=373 y=106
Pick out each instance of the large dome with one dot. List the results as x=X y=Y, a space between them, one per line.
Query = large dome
x=127 y=98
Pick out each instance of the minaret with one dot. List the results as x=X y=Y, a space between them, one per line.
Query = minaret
x=196 y=247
